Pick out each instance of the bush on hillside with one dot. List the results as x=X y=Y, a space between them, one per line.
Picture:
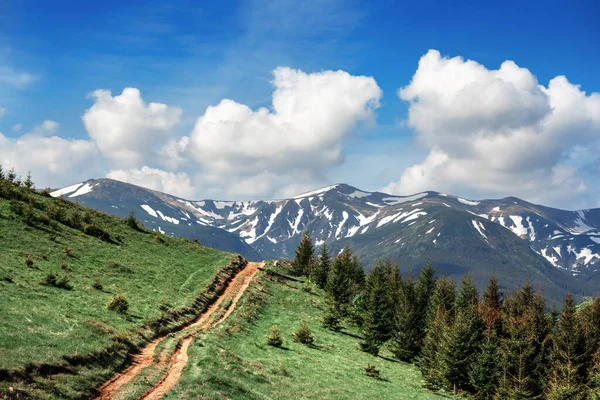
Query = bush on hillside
x=52 y=279
x=274 y=339
x=29 y=261
x=132 y=221
x=97 y=284
x=119 y=303
x=372 y=371
x=98 y=232
x=304 y=335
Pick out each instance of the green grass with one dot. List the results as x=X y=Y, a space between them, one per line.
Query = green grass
x=234 y=361
x=41 y=324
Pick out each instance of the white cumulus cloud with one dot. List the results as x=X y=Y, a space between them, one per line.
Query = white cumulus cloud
x=261 y=152
x=497 y=132
x=53 y=160
x=178 y=184
x=125 y=128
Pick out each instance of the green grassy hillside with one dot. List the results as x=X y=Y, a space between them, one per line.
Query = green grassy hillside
x=60 y=265
x=234 y=360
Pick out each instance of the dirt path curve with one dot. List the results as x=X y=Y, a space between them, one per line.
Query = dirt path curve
x=235 y=289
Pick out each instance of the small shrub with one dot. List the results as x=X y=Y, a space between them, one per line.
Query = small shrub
x=283 y=371
x=307 y=287
x=46 y=192
x=17 y=207
x=44 y=219
x=64 y=265
x=132 y=222
x=157 y=238
x=274 y=339
x=304 y=335
x=29 y=261
x=87 y=217
x=52 y=279
x=96 y=231
x=97 y=284
x=75 y=220
x=372 y=371
x=331 y=322
x=165 y=305
x=68 y=251
x=119 y=303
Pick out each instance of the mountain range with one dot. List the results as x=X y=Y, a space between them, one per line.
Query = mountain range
x=515 y=240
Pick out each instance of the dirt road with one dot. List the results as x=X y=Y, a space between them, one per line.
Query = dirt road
x=234 y=291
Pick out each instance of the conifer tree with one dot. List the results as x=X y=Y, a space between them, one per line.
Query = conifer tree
x=467 y=294
x=12 y=175
x=1 y=173
x=406 y=336
x=567 y=354
x=321 y=270
x=28 y=182
x=304 y=255
x=338 y=288
x=444 y=295
x=594 y=378
x=485 y=371
x=430 y=361
x=378 y=315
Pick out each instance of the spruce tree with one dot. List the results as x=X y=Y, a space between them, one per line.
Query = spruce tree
x=304 y=255
x=339 y=290
x=430 y=361
x=1 y=173
x=594 y=378
x=467 y=294
x=378 y=315
x=28 y=182
x=568 y=351
x=406 y=335
x=459 y=348
x=444 y=295
x=12 y=175
x=321 y=270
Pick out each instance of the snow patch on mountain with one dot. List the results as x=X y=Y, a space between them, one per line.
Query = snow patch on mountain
x=357 y=194
x=67 y=190
x=393 y=201
x=480 y=228
x=595 y=239
x=149 y=210
x=467 y=202
x=341 y=225
x=518 y=229
x=315 y=192
x=167 y=218
x=85 y=189
x=550 y=257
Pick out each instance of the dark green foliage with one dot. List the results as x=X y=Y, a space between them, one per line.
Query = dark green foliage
x=484 y=371
x=430 y=361
x=331 y=321
x=406 y=336
x=96 y=231
x=274 y=339
x=305 y=256
x=119 y=303
x=378 y=315
x=61 y=282
x=568 y=351
x=132 y=221
x=28 y=182
x=321 y=271
x=594 y=377
x=11 y=176
x=444 y=295
x=304 y=335
x=372 y=371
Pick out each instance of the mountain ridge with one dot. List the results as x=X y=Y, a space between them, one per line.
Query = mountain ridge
x=410 y=229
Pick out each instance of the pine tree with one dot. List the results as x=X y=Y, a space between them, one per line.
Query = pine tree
x=339 y=291
x=406 y=335
x=594 y=377
x=378 y=315
x=459 y=348
x=485 y=370
x=444 y=295
x=28 y=182
x=304 y=255
x=2 y=177
x=567 y=373
x=12 y=175
x=321 y=270
x=430 y=361
x=467 y=294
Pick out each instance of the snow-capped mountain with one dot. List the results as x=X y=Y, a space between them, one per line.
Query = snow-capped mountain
x=455 y=233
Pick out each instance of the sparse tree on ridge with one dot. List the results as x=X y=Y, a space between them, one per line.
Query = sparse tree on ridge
x=305 y=256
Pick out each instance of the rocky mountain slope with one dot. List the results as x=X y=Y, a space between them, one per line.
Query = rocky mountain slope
x=511 y=237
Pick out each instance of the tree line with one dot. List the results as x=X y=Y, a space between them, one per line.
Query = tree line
x=492 y=345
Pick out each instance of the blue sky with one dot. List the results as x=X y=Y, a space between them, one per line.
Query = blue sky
x=191 y=55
